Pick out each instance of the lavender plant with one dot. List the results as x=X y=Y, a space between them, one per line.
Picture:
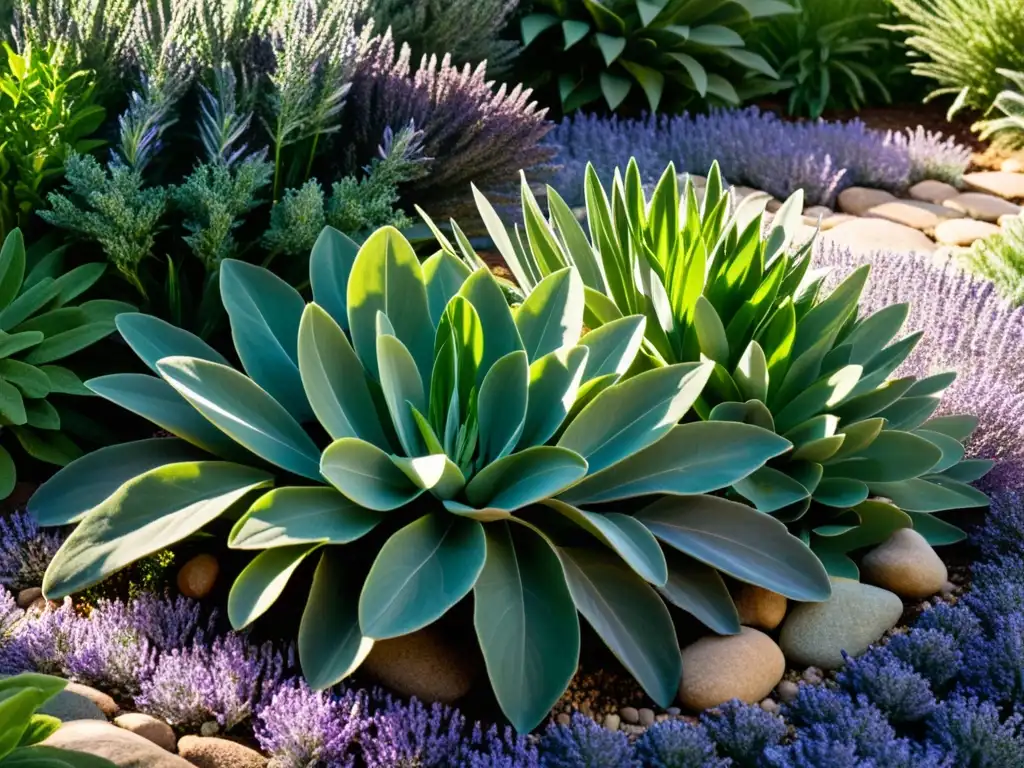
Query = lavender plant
x=751 y=147
x=25 y=550
x=584 y=742
x=677 y=744
x=889 y=683
x=975 y=735
x=471 y=132
x=300 y=728
x=971 y=331
x=932 y=155
x=225 y=681
x=743 y=731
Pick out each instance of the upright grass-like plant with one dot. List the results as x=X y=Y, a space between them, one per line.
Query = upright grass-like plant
x=470 y=449
x=786 y=357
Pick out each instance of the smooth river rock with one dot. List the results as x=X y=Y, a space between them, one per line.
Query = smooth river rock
x=880 y=234
x=716 y=669
x=123 y=748
x=209 y=752
x=905 y=564
x=1007 y=185
x=148 y=727
x=197 y=577
x=758 y=607
x=857 y=615
x=421 y=664
x=964 y=231
x=857 y=200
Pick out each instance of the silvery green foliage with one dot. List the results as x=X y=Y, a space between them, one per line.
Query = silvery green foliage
x=1007 y=121
x=472 y=132
x=469 y=30
x=214 y=198
x=110 y=207
x=932 y=155
x=969 y=328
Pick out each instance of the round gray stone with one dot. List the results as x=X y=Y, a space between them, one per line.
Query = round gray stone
x=857 y=615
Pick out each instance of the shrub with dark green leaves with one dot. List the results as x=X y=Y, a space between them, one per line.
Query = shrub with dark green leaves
x=831 y=54
x=806 y=366
x=659 y=55
x=40 y=325
x=47 y=111
x=22 y=728
x=424 y=441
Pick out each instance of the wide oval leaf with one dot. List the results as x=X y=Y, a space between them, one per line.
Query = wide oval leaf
x=331 y=646
x=526 y=623
x=153 y=339
x=552 y=315
x=613 y=346
x=156 y=400
x=387 y=277
x=148 y=513
x=770 y=490
x=502 y=406
x=330 y=264
x=76 y=489
x=697 y=457
x=525 y=478
x=499 y=328
x=891 y=457
x=264 y=312
x=334 y=382
x=739 y=541
x=422 y=571
x=699 y=590
x=367 y=475
x=628 y=616
x=629 y=416
x=554 y=382
x=288 y=516
x=623 y=534
x=242 y=410
x=262 y=581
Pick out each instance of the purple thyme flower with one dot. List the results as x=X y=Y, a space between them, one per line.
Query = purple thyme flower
x=225 y=681
x=300 y=728
x=25 y=550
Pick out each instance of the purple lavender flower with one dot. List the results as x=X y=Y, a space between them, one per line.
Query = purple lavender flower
x=752 y=147
x=1003 y=525
x=300 y=728
x=890 y=684
x=584 y=742
x=932 y=155
x=413 y=736
x=49 y=638
x=930 y=652
x=973 y=732
x=677 y=744
x=25 y=550
x=967 y=328
x=472 y=132
x=743 y=731
x=225 y=681
x=12 y=653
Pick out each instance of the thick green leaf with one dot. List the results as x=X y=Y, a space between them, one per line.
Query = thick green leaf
x=41 y=415
x=12 y=404
x=331 y=645
x=239 y=408
x=8 y=473
x=936 y=532
x=628 y=616
x=841 y=492
x=525 y=477
x=334 y=382
x=262 y=581
x=444 y=275
x=148 y=513
x=153 y=339
x=387 y=277
x=893 y=456
x=64 y=381
x=156 y=400
x=264 y=312
x=630 y=416
x=12 y=267
x=526 y=624
x=920 y=495
x=499 y=328
x=402 y=386
x=422 y=571
x=289 y=516
x=613 y=346
x=435 y=473
x=522 y=267
x=502 y=406
x=554 y=383
x=622 y=533
x=697 y=457
x=330 y=263
x=51 y=447
x=28 y=303
x=552 y=315
x=367 y=475
x=77 y=281
x=739 y=541
x=532 y=24
x=33 y=382
x=958 y=427
x=77 y=488
x=878 y=521
x=770 y=490
x=700 y=590
x=67 y=343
